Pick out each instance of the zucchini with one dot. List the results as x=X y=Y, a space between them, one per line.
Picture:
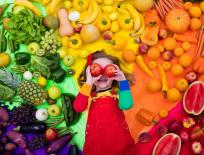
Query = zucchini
x=1 y=40
x=70 y=115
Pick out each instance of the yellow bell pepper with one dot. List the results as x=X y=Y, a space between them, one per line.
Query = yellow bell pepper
x=104 y=23
x=118 y=42
x=75 y=42
x=115 y=26
x=126 y=22
x=80 y=5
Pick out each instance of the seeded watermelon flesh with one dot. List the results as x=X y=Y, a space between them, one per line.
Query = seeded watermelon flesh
x=193 y=100
x=169 y=144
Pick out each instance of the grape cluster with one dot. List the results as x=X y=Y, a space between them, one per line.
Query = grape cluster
x=49 y=43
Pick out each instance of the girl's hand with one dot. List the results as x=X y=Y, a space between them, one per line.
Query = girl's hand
x=89 y=78
x=119 y=75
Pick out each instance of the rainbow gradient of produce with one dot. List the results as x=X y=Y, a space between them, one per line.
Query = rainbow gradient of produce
x=44 y=45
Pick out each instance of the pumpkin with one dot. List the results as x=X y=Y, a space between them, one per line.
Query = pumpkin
x=177 y=20
x=151 y=18
x=150 y=35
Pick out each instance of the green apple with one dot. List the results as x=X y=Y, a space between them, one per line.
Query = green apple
x=54 y=92
x=54 y=110
x=33 y=48
x=69 y=60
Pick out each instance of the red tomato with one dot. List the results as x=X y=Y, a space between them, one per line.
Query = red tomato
x=51 y=134
x=110 y=70
x=96 y=70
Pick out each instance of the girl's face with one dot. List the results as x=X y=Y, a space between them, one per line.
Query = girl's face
x=103 y=83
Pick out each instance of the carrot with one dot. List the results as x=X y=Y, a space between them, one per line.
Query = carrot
x=171 y=7
x=199 y=43
x=181 y=37
x=158 y=8
x=162 y=8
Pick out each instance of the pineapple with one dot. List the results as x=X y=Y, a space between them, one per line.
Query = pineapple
x=27 y=90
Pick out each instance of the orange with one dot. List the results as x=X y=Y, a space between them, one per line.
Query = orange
x=186 y=46
x=153 y=53
x=154 y=85
x=188 y=5
x=4 y=59
x=170 y=43
x=182 y=84
x=177 y=69
x=65 y=41
x=178 y=51
x=152 y=64
x=163 y=113
x=128 y=55
x=166 y=65
x=195 y=11
x=195 y=24
x=202 y=6
x=185 y=60
x=201 y=78
x=173 y=95
x=161 y=48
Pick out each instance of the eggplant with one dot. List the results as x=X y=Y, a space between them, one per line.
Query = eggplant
x=73 y=150
x=70 y=115
x=58 y=144
x=32 y=128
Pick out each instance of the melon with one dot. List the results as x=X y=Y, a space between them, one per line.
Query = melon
x=193 y=99
x=168 y=144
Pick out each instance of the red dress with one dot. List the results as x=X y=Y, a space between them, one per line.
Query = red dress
x=107 y=132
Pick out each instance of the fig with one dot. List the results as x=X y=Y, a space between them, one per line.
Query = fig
x=143 y=48
x=191 y=76
x=174 y=126
x=167 y=55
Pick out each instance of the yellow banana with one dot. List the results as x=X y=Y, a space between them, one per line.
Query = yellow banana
x=135 y=15
x=93 y=15
x=123 y=11
x=163 y=79
x=45 y=2
x=52 y=6
x=143 y=66
x=142 y=28
x=28 y=5
x=98 y=17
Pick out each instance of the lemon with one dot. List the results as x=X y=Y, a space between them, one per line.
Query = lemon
x=42 y=81
x=195 y=12
x=154 y=85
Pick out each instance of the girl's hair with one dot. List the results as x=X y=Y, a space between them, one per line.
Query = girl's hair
x=102 y=54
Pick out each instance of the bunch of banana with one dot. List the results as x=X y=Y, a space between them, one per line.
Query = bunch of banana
x=51 y=7
x=127 y=8
x=92 y=14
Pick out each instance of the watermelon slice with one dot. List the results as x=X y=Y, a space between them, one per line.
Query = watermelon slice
x=193 y=99
x=168 y=144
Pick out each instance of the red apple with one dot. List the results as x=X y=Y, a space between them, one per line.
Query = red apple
x=143 y=48
x=167 y=55
x=191 y=76
x=196 y=147
x=78 y=28
x=96 y=70
x=110 y=70
x=184 y=136
x=162 y=34
x=107 y=35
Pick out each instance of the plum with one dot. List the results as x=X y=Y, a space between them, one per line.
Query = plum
x=144 y=137
x=143 y=48
x=174 y=126
x=167 y=55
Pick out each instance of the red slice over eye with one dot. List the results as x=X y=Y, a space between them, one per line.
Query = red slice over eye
x=96 y=70
x=110 y=70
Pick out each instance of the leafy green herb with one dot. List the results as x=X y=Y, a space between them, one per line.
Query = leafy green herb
x=25 y=27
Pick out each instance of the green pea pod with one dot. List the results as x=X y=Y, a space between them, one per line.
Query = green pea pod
x=4 y=42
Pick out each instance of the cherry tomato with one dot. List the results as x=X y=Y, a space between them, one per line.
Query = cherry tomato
x=51 y=134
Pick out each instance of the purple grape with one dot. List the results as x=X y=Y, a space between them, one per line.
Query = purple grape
x=184 y=136
x=174 y=126
x=144 y=137
x=162 y=130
